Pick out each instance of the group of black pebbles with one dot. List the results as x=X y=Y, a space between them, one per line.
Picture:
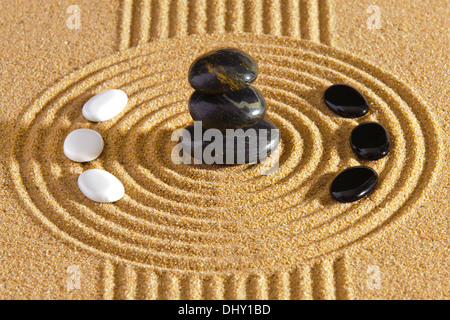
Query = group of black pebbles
x=224 y=99
x=369 y=140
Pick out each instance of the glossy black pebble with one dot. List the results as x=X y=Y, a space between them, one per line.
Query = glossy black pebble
x=222 y=70
x=370 y=140
x=346 y=101
x=241 y=147
x=353 y=183
x=232 y=110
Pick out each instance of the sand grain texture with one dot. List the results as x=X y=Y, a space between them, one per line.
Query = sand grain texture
x=210 y=232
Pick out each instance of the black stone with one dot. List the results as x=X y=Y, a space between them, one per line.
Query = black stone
x=243 y=151
x=370 y=140
x=222 y=70
x=353 y=183
x=232 y=110
x=346 y=101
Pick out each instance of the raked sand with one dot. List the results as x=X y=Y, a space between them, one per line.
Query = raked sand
x=211 y=232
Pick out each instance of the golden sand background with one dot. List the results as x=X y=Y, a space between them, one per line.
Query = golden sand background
x=198 y=232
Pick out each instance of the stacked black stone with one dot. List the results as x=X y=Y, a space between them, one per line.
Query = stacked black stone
x=369 y=140
x=224 y=99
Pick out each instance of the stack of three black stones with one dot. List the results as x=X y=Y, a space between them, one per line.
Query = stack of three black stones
x=225 y=101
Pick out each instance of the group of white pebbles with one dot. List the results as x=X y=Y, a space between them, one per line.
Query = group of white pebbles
x=83 y=145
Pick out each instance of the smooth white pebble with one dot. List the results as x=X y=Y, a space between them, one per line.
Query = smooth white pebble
x=100 y=186
x=83 y=145
x=105 y=105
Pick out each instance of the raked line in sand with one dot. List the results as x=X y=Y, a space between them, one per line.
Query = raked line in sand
x=147 y=20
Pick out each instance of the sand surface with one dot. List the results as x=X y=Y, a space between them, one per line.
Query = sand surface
x=210 y=232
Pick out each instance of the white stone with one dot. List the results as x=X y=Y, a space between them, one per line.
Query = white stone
x=100 y=185
x=83 y=145
x=105 y=105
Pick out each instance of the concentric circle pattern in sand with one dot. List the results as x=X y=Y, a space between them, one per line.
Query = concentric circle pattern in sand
x=194 y=217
